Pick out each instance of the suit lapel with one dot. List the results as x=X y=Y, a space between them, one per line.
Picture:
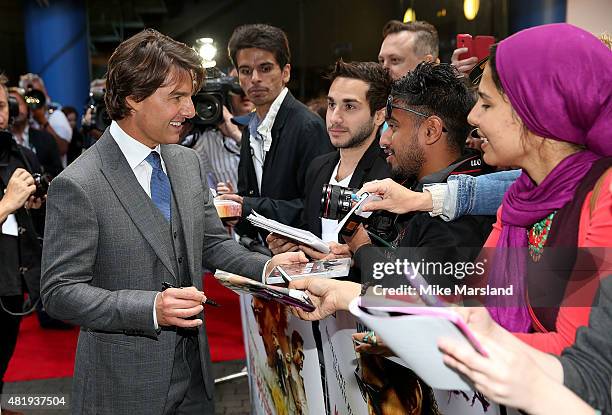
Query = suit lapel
x=177 y=167
x=132 y=196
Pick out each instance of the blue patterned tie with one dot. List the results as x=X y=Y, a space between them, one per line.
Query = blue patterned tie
x=160 y=185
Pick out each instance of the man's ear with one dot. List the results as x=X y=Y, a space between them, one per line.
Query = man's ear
x=433 y=129
x=132 y=104
x=429 y=58
x=286 y=72
x=379 y=117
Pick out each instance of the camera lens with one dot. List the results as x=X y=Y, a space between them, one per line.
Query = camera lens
x=35 y=99
x=336 y=201
x=208 y=109
x=42 y=184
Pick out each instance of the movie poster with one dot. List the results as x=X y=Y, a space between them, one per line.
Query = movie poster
x=373 y=384
x=285 y=375
x=468 y=403
x=344 y=394
x=282 y=360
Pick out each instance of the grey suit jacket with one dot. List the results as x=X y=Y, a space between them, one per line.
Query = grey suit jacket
x=104 y=262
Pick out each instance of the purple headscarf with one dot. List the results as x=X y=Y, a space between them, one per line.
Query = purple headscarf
x=558 y=79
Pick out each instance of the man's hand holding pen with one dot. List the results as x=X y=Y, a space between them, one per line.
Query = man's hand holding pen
x=178 y=306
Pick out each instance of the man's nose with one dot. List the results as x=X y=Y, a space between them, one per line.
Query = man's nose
x=385 y=138
x=335 y=116
x=255 y=76
x=188 y=110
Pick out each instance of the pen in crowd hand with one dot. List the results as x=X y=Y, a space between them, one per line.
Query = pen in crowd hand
x=208 y=301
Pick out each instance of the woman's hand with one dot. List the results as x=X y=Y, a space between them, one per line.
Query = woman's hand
x=396 y=198
x=507 y=376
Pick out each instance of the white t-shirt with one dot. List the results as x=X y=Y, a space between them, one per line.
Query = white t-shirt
x=328 y=226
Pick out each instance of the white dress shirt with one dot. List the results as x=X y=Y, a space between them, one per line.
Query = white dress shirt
x=261 y=141
x=135 y=153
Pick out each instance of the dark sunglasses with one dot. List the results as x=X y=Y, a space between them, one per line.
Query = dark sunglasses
x=390 y=106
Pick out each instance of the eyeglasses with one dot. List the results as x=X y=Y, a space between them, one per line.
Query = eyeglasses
x=390 y=106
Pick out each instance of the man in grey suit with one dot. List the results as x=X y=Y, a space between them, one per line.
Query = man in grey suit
x=132 y=213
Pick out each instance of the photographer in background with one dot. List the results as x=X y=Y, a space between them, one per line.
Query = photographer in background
x=47 y=116
x=20 y=249
x=40 y=142
x=214 y=134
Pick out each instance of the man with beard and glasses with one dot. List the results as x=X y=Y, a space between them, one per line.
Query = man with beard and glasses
x=427 y=115
x=355 y=112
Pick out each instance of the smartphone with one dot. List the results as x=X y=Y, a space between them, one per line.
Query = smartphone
x=481 y=46
x=477 y=46
x=465 y=41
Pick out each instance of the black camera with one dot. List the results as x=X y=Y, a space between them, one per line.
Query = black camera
x=209 y=101
x=42 y=182
x=336 y=201
x=99 y=119
x=35 y=98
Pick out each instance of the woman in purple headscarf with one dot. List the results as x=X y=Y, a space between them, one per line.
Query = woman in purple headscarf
x=545 y=105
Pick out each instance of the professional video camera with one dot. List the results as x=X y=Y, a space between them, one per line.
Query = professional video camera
x=96 y=117
x=337 y=201
x=35 y=98
x=209 y=101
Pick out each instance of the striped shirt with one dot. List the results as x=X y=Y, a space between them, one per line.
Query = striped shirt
x=219 y=154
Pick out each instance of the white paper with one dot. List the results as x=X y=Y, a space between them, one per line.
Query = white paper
x=414 y=339
x=299 y=235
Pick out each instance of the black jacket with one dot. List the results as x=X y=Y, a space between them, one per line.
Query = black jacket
x=20 y=257
x=298 y=136
x=46 y=150
x=430 y=238
x=372 y=166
